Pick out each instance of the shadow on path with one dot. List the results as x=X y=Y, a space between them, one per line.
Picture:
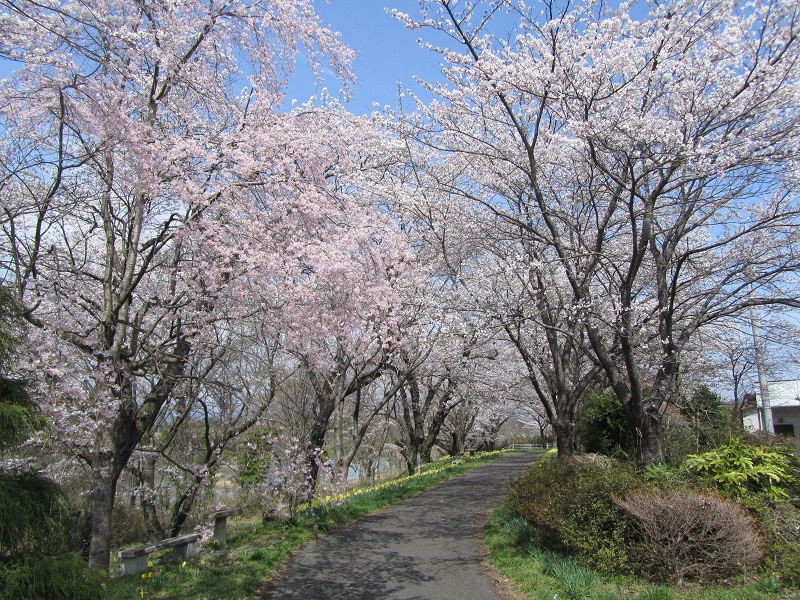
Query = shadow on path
x=428 y=547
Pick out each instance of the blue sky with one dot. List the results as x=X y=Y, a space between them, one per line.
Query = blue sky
x=387 y=53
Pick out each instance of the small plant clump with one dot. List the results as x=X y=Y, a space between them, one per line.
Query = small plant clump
x=740 y=469
x=763 y=478
x=575 y=580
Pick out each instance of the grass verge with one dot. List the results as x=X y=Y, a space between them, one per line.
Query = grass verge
x=535 y=574
x=255 y=550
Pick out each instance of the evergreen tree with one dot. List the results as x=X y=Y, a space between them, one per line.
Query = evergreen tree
x=603 y=427
x=30 y=504
x=708 y=418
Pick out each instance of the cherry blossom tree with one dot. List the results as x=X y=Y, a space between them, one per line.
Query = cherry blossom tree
x=357 y=289
x=534 y=307
x=476 y=423
x=150 y=187
x=439 y=370
x=649 y=151
x=349 y=377
x=482 y=264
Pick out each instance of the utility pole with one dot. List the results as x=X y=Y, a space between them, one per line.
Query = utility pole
x=764 y=408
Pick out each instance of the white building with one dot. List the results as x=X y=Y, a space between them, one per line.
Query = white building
x=783 y=400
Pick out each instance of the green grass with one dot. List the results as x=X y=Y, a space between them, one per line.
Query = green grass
x=256 y=550
x=575 y=581
x=536 y=574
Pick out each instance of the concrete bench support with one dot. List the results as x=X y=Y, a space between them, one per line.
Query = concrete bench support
x=221 y=523
x=134 y=560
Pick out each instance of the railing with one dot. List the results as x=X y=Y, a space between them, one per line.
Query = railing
x=525 y=447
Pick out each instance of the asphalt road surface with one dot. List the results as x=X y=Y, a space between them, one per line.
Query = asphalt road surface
x=426 y=548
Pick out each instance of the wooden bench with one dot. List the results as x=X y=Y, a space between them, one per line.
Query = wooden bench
x=221 y=523
x=134 y=560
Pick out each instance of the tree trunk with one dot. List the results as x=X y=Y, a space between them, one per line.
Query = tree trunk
x=649 y=447
x=457 y=443
x=410 y=454
x=425 y=452
x=443 y=409
x=147 y=479
x=115 y=446
x=566 y=441
x=411 y=446
x=338 y=439
x=413 y=421
x=647 y=413
x=99 y=509
x=183 y=507
x=316 y=439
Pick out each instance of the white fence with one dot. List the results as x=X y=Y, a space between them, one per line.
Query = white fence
x=525 y=447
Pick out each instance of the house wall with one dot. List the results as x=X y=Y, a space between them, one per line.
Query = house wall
x=784 y=393
x=784 y=400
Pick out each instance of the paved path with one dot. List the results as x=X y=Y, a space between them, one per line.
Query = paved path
x=426 y=548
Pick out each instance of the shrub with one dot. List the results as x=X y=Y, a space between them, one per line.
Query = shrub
x=570 y=503
x=32 y=509
x=691 y=534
